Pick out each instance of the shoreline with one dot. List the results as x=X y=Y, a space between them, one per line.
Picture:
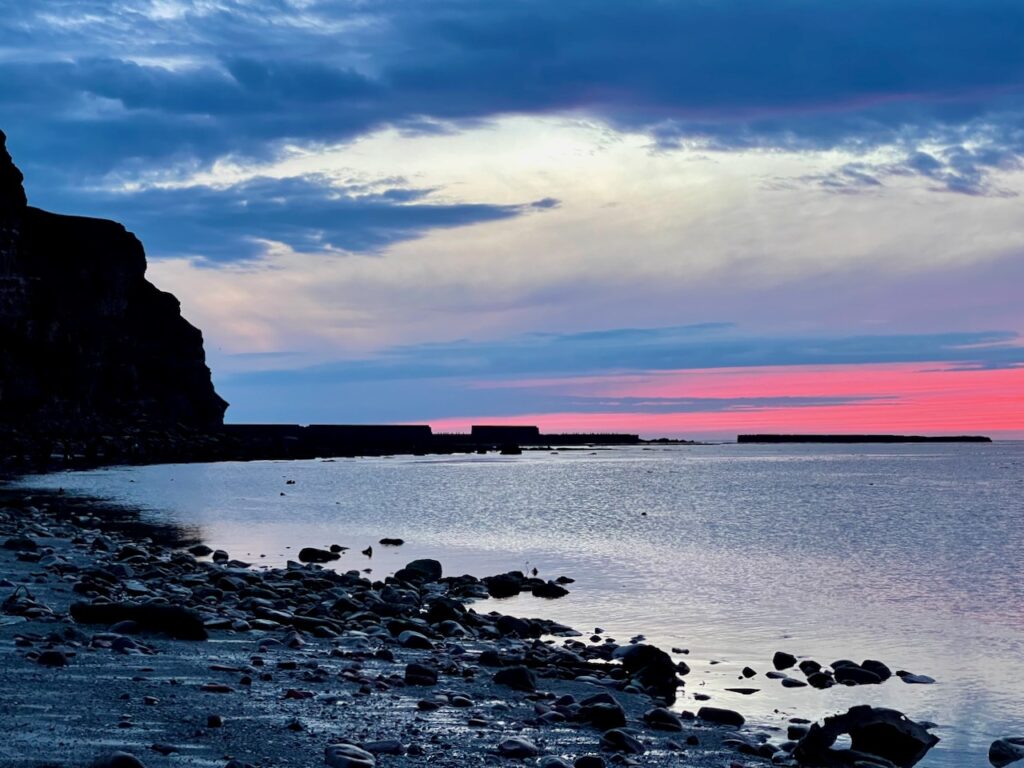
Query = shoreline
x=345 y=650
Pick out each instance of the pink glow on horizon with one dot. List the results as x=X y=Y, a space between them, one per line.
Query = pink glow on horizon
x=920 y=398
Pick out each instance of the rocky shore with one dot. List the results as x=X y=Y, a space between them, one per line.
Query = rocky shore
x=125 y=644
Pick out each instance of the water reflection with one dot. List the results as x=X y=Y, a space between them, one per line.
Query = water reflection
x=906 y=554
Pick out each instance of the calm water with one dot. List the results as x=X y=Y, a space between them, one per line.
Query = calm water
x=908 y=554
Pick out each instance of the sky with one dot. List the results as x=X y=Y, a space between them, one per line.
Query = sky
x=692 y=218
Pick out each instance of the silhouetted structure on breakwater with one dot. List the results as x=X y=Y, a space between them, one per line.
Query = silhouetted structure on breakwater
x=862 y=439
x=294 y=441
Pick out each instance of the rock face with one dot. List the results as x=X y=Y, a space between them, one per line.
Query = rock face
x=88 y=342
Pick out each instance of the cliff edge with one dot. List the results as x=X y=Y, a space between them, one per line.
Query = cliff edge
x=87 y=344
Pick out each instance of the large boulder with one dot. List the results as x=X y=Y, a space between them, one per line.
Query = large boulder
x=652 y=668
x=874 y=732
x=420 y=571
x=1006 y=751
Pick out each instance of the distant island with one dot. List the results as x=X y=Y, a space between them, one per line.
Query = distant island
x=862 y=439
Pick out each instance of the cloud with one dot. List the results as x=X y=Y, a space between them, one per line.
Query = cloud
x=660 y=349
x=93 y=86
x=308 y=214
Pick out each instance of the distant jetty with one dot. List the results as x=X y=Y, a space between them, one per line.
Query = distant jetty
x=863 y=439
x=316 y=440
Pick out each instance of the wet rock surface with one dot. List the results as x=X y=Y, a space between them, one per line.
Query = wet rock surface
x=1006 y=751
x=875 y=733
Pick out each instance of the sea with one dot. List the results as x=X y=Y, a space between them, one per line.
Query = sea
x=909 y=554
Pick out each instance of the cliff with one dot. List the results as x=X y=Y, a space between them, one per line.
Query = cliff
x=89 y=345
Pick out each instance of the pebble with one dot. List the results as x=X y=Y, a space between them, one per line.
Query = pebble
x=118 y=760
x=348 y=756
x=618 y=740
x=52 y=658
x=782 y=660
x=518 y=748
x=721 y=716
x=907 y=677
x=518 y=678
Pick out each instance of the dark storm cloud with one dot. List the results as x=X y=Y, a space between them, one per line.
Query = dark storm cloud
x=731 y=73
x=307 y=213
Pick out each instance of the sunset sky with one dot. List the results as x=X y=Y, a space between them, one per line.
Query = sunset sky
x=690 y=218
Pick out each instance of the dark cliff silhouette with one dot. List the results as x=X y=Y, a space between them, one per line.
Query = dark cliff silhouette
x=88 y=344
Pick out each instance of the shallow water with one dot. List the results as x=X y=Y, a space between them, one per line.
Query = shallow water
x=909 y=554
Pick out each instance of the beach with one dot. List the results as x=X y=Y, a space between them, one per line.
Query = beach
x=283 y=694
x=300 y=658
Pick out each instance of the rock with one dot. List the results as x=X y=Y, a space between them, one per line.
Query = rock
x=651 y=667
x=179 y=623
x=52 y=658
x=421 y=571
x=809 y=667
x=216 y=688
x=553 y=761
x=411 y=639
x=314 y=555
x=663 y=719
x=392 y=543
x=518 y=748
x=118 y=760
x=617 y=740
x=420 y=674
x=911 y=679
x=782 y=660
x=721 y=716
x=748 y=672
x=1006 y=751
x=877 y=668
x=604 y=715
x=505 y=584
x=549 y=590
x=348 y=756
x=854 y=674
x=214 y=721
x=384 y=747
x=89 y=344
x=518 y=678
x=874 y=733
x=821 y=680
x=19 y=543
x=200 y=550
x=589 y=761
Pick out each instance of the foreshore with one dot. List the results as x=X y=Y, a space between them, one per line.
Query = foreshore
x=281 y=665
